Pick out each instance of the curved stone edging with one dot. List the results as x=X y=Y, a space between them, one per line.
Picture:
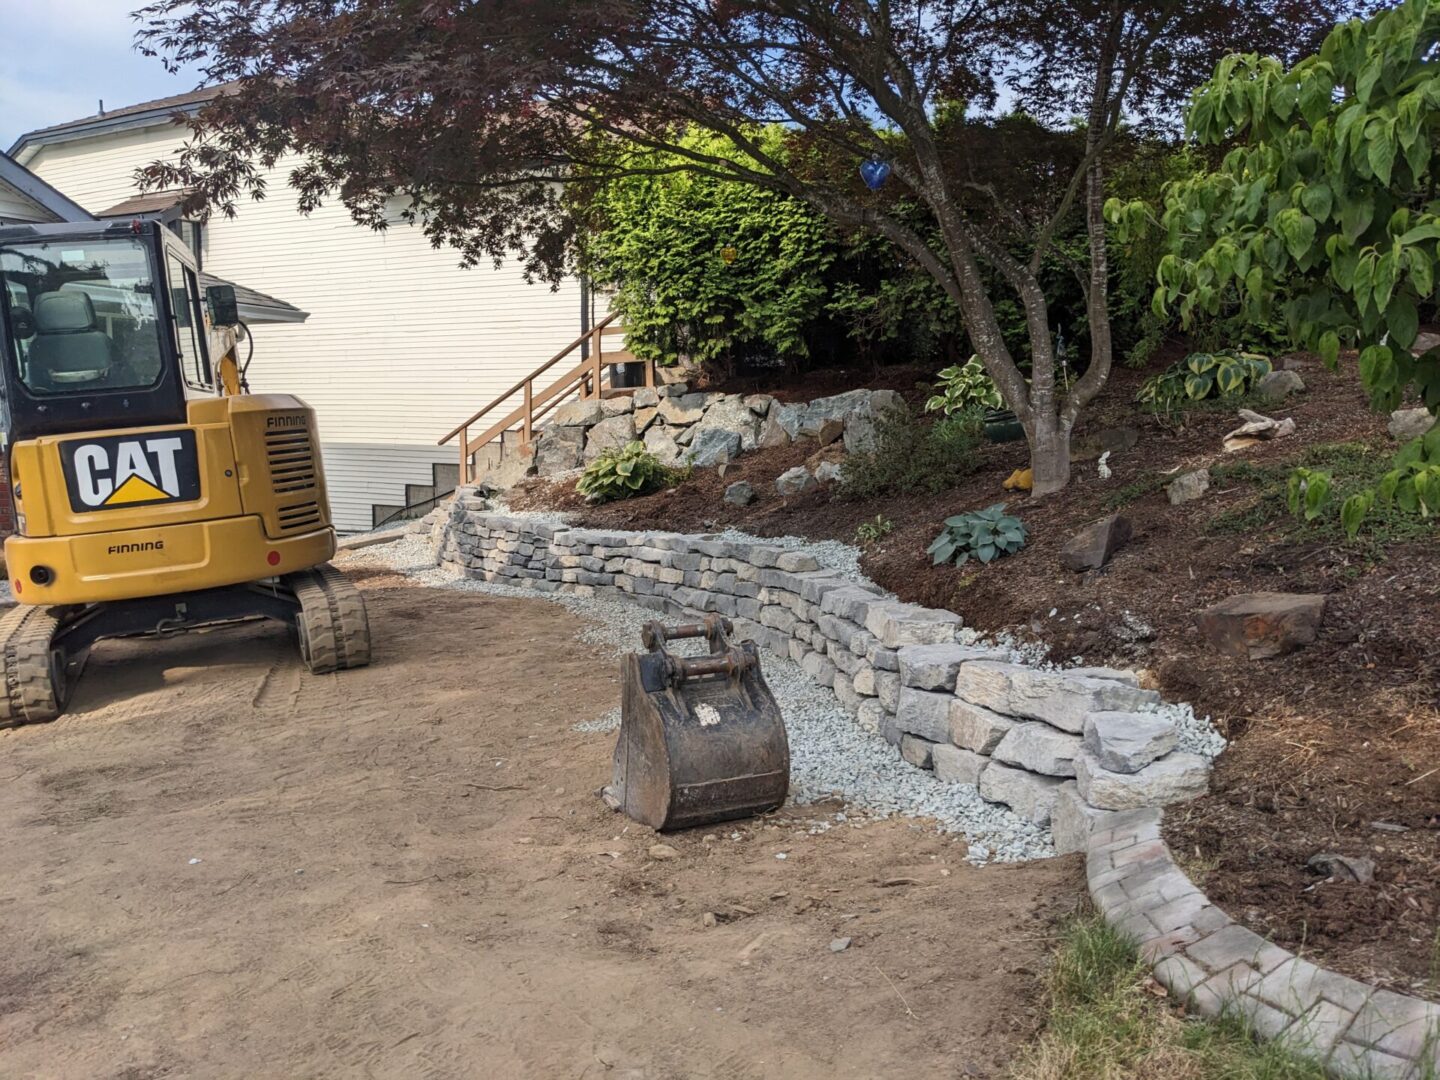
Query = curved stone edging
x=1213 y=964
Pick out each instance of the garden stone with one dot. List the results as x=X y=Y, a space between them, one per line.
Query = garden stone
x=1174 y=778
x=916 y=750
x=685 y=435
x=646 y=397
x=831 y=429
x=644 y=418
x=1072 y=819
x=1127 y=742
x=1124 y=675
x=772 y=432
x=617 y=406
x=1407 y=424
x=559 y=449
x=796 y=481
x=609 y=434
x=712 y=446
x=513 y=467
x=1094 y=546
x=1056 y=697
x=934 y=667
x=1258 y=626
x=1032 y=797
x=578 y=413
x=1279 y=384
x=660 y=441
x=887 y=689
x=759 y=404
x=1039 y=748
x=811 y=417
x=923 y=713
x=732 y=414
x=829 y=472
x=740 y=493
x=1188 y=487
x=974 y=727
x=895 y=624
x=871 y=715
x=688 y=409
x=672 y=388
x=956 y=766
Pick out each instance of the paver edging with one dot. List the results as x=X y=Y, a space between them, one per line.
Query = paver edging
x=1214 y=965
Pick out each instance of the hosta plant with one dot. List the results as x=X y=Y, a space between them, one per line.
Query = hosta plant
x=964 y=386
x=623 y=471
x=986 y=534
x=1201 y=375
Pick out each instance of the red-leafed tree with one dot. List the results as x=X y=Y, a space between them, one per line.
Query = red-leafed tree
x=473 y=109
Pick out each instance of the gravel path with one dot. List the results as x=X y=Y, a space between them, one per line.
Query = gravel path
x=829 y=754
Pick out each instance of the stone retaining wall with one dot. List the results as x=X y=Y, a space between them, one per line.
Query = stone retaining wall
x=1049 y=744
x=1214 y=965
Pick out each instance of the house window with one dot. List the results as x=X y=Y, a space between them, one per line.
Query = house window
x=192 y=233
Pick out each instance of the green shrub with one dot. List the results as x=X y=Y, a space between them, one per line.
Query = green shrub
x=624 y=471
x=1203 y=375
x=987 y=534
x=964 y=387
x=912 y=456
x=870 y=531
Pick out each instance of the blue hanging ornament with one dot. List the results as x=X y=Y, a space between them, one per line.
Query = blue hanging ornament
x=874 y=172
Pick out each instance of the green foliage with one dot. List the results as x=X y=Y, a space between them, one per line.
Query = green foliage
x=662 y=240
x=912 y=456
x=1136 y=489
x=1307 y=491
x=1326 y=203
x=962 y=387
x=1202 y=375
x=622 y=472
x=986 y=534
x=868 y=532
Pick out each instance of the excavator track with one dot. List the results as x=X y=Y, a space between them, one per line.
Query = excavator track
x=36 y=680
x=333 y=627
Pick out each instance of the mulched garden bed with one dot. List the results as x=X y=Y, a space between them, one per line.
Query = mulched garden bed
x=1327 y=742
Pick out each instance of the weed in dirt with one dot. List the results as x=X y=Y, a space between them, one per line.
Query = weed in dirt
x=912 y=456
x=1197 y=866
x=1109 y=1021
x=1136 y=489
x=868 y=532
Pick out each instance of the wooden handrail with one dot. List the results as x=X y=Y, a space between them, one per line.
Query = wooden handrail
x=538 y=371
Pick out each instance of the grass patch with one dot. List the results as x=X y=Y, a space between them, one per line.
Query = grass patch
x=1105 y=1022
x=1136 y=489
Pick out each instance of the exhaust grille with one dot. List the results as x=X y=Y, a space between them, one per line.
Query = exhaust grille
x=291 y=458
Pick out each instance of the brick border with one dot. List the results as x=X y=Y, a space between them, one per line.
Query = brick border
x=1213 y=964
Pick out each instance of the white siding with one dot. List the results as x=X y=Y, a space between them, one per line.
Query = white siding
x=401 y=344
x=16 y=208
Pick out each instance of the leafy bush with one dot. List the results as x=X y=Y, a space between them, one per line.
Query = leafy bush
x=623 y=471
x=965 y=386
x=1201 y=375
x=870 y=531
x=987 y=534
x=912 y=456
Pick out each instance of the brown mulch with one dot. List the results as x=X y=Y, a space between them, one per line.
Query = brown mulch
x=1326 y=741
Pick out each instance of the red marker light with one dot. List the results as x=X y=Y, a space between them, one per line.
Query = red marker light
x=273 y=558
x=17 y=585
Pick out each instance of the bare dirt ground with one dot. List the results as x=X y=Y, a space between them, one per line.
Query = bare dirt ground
x=218 y=866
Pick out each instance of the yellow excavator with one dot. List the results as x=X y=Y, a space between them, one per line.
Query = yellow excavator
x=152 y=492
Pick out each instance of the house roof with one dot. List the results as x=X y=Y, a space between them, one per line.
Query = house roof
x=16 y=176
x=145 y=114
x=154 y=202
x=256 y=306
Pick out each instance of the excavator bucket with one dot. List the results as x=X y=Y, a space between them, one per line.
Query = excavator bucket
x=701 y=738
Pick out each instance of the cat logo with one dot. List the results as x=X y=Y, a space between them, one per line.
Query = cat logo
x=120 y=471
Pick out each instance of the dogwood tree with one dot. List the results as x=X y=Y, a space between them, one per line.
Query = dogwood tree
x=472 y=109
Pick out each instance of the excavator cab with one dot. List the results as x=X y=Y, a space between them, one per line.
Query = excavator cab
x=149 y=495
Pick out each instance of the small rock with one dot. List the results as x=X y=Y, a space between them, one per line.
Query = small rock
x=840 y=944
x=1424 y=342
x=1342 y=867
x=1258 y=626
x=740 y=493
x=663 y=851
x=708 y=920
x=1256 y=428
x=829 y=472
x=1096 y=544
x=796 y=481
x=1188 y=486
x=1407 y=424
x=1280 y=384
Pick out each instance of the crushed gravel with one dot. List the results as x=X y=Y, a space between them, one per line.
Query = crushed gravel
x=830 y=755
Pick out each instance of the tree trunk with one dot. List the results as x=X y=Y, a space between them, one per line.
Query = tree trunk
x=1049 y=454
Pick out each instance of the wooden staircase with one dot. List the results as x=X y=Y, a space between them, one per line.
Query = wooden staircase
x=538 y=394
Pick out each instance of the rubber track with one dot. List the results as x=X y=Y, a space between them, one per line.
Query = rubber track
x=336 y=626
x=25 y=636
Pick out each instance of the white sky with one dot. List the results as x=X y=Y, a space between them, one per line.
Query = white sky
x=59 y=58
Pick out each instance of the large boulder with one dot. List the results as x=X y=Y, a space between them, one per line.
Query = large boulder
x=660 y=441
x=934 y=667
x=559 y=449
x=924 y=713
x=646 y=397
x=773 y=432
x=615 y=406
x=895 y=624
x=711 y=447
x=1072 y=819
x=796 y=481
x=956 y=766
x=507 y=471
x=1057 y=697
x=1039 y=748
x=1407 y=424
x=608 y=434
x=731 y=414
x=686 y=409
x=578 y=413
x=1174 y=778
x=1280 y=384
x=1258 y=626
x=977 y=728
x=1031 y=796
x=811 y=418
x=1127 y=742
x=1093 y=546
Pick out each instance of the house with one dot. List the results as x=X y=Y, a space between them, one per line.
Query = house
x=401 y=343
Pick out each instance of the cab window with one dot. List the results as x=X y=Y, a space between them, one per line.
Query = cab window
x=189 y=324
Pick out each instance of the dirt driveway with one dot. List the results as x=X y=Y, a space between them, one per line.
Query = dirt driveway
x=218 y=866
